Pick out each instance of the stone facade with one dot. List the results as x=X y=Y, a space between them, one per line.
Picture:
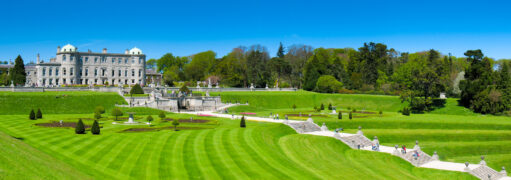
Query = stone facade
x=71 y=67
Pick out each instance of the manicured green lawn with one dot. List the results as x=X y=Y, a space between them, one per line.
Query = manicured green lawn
x=220 y=150
x=57 y=102
x=456 y=133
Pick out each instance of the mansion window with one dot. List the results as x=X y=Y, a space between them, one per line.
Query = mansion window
x=81 y=72
x=63 y=57
x=86 y=59
x=95 y=60
x=71 y=73
x=64 y=81
x=96 y=72
x=113 y=73
x=86 y=72
x=120 y=60
x=57 y=72
x=140 y=73
x=113 y=60
x=49 y=72
x=120 y=73
x=132 y=73
x=81 y=59
x=125 y=60
x=44 y=71
x=64 y=72
x=126 y=73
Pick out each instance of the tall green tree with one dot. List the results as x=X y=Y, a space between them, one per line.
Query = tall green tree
x=202 y=65
x=80 y=128
x=18 y=74
x=280 y=52
x=95 y=128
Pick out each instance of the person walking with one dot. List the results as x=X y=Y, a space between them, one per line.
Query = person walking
x=404 y=149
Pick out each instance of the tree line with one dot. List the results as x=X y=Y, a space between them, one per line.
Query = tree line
x=419 y=77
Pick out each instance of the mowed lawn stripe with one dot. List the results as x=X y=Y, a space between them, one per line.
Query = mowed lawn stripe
x=222 y=162
x=206 y=166
x=274 y=157
x=164 y=165
x=178 y=159
x=234 y=154
x=220 y=141
x=242 y=139
x=248 y=161
x=148 y=165
x=135 y=153
x=92 y=144
x=189 y=157
x=119 y=156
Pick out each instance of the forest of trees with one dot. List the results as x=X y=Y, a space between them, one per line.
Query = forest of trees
x=481 y=82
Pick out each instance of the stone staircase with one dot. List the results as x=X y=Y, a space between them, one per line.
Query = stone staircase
x=483 y=171
x=304 y=127
x=354 y=140
x=422 y=159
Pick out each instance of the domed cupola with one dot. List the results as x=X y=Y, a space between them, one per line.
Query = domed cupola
x=68 y=48
x=135 y=51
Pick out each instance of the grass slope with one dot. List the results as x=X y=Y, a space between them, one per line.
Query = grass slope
x=304 y=99
x=56 y=102
x=260 y=151
x=21 y=160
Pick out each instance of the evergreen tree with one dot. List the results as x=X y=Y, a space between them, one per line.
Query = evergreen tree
x=18 y=74
x=322 y=107
x=161 y=115
x=340 y=115
x=329 y=106
x=242 y=122
x=350 y=116
x=136 y=89
x=95 y=128
x=280 y=52
x=39 y=114
x=175 y=123
x=32 y=115
x=80 y=128
x=294 y=107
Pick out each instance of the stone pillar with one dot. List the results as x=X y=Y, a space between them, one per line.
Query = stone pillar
x=483 y=163
x=467 y=169
x=416 y=147
x=359 y=132
x=324 y=128
x=503 y=171
x=435 y=156
x=310 y=119
x=396 y=151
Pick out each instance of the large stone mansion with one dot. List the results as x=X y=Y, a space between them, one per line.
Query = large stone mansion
x=71 y=67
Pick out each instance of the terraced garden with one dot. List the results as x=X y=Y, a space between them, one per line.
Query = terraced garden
x=457 y=134
x=261 y=151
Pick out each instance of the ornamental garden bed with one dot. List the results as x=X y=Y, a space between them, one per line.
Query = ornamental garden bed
x=162 y=128
x=189 y=120
x=307 y=115
x=57 y=124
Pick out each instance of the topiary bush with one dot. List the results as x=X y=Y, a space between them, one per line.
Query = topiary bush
x=351 y=116
x=329 y=106
x=322 y=106
x=175 y=123
x=97 y=115
x=340 y=115
x=149 y=118
x=95 y=128
x=136 y=89
x=242 y=122
x=100 y=109
x=39 y=114
x=161 y=115
x=79 y=128
x=31 y=116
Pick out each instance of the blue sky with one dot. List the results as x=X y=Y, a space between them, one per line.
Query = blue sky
x=187 y=27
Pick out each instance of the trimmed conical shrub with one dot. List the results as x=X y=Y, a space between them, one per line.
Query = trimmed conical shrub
x=80 y=128
x=322 y=106
x=242 y=122
x=32 y=115
x=340 y=115
x=39 y=114
x=161 y=115
x=95 y=128
x=351 y=116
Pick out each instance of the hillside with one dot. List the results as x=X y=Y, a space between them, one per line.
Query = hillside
x=57 y=102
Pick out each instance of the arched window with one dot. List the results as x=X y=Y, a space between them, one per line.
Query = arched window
x=71 y=71
x=64 y=71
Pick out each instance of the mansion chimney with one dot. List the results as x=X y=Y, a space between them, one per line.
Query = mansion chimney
x=58 y=49
x=104 y=50
x=127 y=51
x=38 y=58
